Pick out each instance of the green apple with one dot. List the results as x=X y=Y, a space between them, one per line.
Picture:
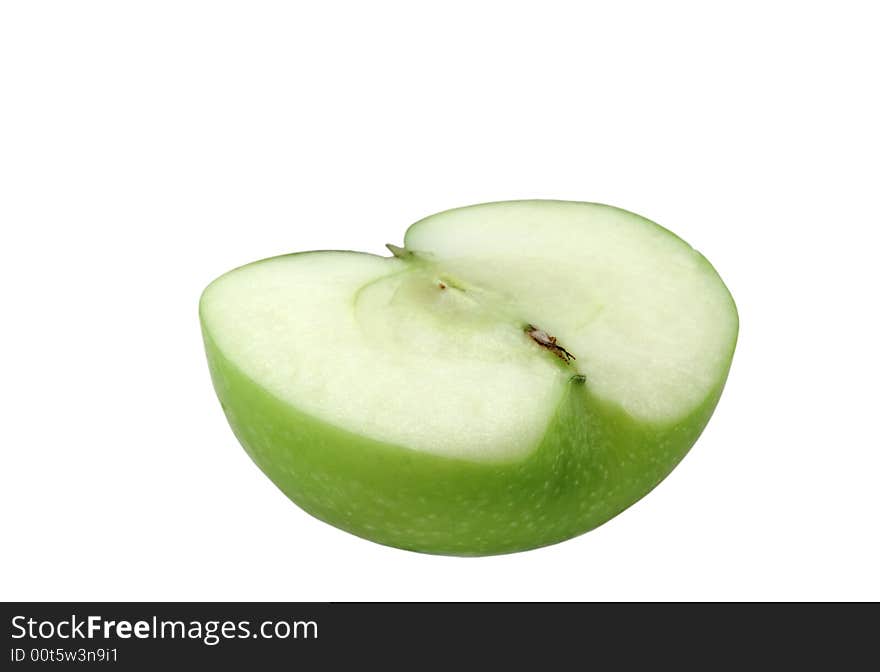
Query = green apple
x=515 y=375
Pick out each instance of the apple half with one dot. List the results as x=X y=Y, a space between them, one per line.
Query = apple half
x=515 y=375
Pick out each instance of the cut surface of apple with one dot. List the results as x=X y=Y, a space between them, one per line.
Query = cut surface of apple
x=515 y=374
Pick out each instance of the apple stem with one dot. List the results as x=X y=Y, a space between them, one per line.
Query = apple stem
x=399 y=252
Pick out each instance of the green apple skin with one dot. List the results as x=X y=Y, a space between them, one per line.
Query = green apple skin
x=593 y=462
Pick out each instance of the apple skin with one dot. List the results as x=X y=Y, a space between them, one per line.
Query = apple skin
x=593 y=462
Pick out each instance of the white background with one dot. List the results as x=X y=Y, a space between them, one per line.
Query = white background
x=145 y=148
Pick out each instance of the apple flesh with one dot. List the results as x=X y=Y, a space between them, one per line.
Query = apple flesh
x=515 y=375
